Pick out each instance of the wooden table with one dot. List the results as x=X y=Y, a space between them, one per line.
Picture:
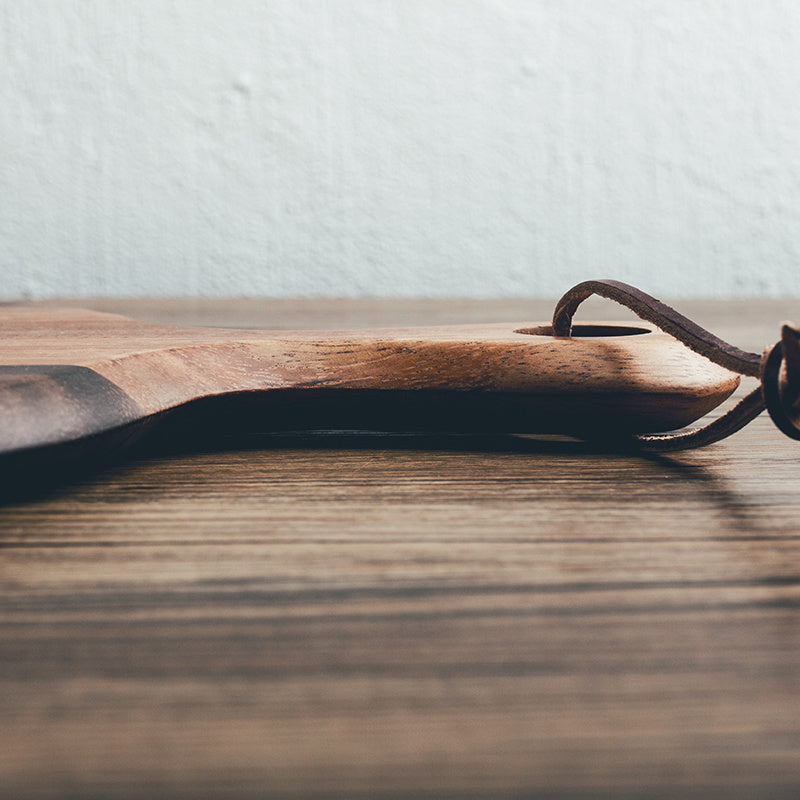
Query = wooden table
x=408 y=616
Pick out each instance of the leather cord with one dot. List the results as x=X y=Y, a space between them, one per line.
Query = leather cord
x=778 y=369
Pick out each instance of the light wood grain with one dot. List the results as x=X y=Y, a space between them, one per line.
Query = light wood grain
x=407 y=616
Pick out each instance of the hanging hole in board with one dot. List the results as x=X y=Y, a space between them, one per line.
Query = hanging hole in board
x=588 y=331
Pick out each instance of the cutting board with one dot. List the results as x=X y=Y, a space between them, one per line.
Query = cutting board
x=77 y=377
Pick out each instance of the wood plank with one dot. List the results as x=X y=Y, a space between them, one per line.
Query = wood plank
x=405 y=616
x=72 y=376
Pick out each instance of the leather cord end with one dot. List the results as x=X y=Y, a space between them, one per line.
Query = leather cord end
x=780 y=378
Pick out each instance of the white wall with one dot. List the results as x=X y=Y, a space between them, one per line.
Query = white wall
x=398 y=147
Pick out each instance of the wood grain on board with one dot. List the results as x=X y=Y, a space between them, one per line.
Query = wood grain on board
x=67 y=374
x=408 y=615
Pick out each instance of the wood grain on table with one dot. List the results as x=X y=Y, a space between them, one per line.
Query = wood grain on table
x=408 y=616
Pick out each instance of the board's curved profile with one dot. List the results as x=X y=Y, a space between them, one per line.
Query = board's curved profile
x=69 y=376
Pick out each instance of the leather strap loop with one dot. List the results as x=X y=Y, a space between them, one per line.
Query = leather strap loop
x=661 y=315
x=702 y=342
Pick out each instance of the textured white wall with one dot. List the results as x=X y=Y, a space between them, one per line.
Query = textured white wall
x=398 y=147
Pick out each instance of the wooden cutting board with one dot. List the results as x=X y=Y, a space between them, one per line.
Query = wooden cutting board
x=74 y=377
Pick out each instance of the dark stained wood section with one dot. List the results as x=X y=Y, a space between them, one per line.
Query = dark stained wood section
x=65 y=401
x=408 y=616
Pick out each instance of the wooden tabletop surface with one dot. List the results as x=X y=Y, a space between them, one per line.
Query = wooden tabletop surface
x=408 y=616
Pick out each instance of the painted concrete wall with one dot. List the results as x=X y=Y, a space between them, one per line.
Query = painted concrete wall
x=398 y=147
